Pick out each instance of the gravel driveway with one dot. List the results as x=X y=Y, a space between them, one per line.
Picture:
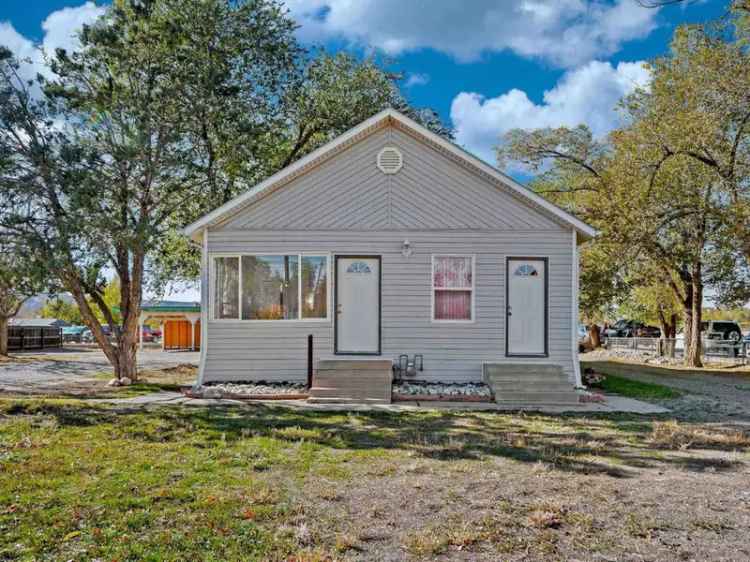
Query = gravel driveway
x=61 y=370
x=707 y=397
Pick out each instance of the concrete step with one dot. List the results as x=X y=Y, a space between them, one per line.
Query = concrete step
x=538 y=397
x=347 y=400
x=333 y=392
x=522 y=387
x=351 y=381
x=522 y=368
x=526 y=378
x=355 y=364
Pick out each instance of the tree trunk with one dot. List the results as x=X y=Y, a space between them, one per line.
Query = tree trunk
x=668 y=326
x=693 y=345
x=672 y=326
x=3 y=335
x=594 y=336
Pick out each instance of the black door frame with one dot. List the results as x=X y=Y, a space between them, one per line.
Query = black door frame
x=336 y=304
x=509 y=259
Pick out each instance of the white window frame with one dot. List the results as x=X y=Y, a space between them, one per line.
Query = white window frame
x=473 y=289
x=299 y=320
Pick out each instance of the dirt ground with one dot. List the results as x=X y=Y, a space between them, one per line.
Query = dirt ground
x=268 y=483
x=78 y=371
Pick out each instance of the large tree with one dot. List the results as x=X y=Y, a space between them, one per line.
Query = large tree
x=147 y=117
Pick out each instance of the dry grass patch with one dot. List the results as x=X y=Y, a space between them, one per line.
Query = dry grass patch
x=674 y=435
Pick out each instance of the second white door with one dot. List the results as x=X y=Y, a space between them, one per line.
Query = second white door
x=527 y=306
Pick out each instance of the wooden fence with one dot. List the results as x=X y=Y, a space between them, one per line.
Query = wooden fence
x=31 y=337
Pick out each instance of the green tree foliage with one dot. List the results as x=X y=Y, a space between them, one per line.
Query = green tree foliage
x=146 y=118
x=62 y=310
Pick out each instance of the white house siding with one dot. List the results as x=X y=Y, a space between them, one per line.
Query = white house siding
x=347 y=206
x=431 y=191
x=240 y=350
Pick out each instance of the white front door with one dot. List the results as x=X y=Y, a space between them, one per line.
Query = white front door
x=358 y=305
x=527 y=306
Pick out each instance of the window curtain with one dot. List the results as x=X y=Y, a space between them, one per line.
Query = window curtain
x=453 y=284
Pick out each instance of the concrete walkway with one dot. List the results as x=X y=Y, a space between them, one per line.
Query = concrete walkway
x=614 y=404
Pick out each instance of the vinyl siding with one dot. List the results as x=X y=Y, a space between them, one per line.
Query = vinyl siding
x=452 y=352
x=431 y=192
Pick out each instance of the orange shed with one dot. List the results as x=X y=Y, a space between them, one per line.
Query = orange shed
x=180 y=321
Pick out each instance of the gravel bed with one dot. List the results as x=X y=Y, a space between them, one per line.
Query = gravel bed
x=251 y=388
x=424 y=388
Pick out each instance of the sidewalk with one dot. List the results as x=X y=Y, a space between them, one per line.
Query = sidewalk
x=614 y=404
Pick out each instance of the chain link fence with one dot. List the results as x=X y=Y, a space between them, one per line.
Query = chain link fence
x=712 y=347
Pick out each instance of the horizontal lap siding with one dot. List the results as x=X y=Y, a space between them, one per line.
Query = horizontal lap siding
x=455 y=352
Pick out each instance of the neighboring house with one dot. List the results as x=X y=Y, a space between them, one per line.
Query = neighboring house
x=390 y=240
x=180 y=322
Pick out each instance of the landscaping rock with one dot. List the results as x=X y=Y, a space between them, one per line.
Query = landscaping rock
x=251 y=389
x=435 y=390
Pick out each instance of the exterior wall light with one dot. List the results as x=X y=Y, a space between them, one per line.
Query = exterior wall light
x=406 y=249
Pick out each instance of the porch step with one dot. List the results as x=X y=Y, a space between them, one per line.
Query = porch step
x=320 y=400
x=529 y=384
x=537 y=397
x=354 y=381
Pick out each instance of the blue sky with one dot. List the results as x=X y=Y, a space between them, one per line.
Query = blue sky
x=499 y=65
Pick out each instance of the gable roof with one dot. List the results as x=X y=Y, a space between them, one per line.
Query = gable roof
x=354 y=134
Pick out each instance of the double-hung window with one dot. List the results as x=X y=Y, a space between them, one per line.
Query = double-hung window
x=271 y=287
x=452 y=288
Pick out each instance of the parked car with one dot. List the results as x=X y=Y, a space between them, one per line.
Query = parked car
x=631 y=328
x=88 y=337
x=73 y=333
x=722 y=330
x=148 y=334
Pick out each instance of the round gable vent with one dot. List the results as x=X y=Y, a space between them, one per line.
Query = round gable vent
x=390 y=160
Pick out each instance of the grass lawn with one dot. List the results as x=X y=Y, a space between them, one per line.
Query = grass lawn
x=270 y=483
x=635 y=389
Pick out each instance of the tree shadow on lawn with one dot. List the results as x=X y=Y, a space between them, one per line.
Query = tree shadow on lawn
x=615 y=445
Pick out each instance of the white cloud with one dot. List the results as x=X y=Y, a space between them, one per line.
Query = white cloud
x=417 y=79
x=60 y=31
x=563 y=32
x=62 y=26
x=587 y=95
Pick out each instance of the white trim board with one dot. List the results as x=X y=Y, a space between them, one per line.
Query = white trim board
x=195 y=230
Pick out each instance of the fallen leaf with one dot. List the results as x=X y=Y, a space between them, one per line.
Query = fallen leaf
x=72 y=535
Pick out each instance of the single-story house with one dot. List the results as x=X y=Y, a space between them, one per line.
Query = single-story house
x=391 y=240
x=180 y=323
